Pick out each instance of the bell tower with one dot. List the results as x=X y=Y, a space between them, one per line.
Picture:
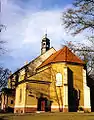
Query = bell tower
x=45 y=44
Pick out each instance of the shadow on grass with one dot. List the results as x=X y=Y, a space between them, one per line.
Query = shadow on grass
x=3 y=118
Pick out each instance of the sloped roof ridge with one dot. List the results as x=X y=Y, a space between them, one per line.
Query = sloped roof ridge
x=52 y=55
x=48 y=58
x=76 y=56
x=30 y=62
x=66 y=58
x=66 y=52
x=58 y=53
x=67 y=49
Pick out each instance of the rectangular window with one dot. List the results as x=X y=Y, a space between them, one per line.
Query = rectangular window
x=11 y=101
x=20 y=96
x=58 y=79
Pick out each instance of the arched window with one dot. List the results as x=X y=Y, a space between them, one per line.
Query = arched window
x=58 y=79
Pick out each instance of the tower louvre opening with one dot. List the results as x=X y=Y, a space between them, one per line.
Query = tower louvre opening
x=45 y=44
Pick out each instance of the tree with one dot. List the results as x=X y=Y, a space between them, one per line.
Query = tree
x=1 y=27
x=85 y=53
x=4 y=74
x=80 y=17
x=2 y=50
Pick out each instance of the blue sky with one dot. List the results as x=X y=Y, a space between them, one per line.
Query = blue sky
x=26 y=22
x=43 y=4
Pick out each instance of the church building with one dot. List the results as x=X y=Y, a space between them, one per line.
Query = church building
x=54 y=81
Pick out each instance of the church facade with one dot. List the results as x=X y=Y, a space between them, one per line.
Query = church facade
x=54 y=81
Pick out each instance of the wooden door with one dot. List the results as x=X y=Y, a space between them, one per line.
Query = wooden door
x=43 y=105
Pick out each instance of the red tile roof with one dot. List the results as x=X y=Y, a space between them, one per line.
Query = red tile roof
x=63 y=55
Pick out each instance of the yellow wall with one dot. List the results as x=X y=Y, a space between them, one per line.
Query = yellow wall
x=55 y=94
x=21 y=103
x=11 y=82
x=33 y=93
x=21 y=75
x=78 y=80
x=48 y=73
x=43 y=75
x=29 y=95
x=9 y=101
x=6 y=100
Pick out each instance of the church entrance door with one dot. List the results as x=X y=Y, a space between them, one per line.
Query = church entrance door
x=43 y=104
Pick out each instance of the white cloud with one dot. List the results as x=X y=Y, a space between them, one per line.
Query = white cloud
x=25 y=28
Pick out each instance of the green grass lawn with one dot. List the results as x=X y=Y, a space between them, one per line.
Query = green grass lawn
x=48 y=116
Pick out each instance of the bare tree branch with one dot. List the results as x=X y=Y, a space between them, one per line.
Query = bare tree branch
x=80 y=17
x=4 y=74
